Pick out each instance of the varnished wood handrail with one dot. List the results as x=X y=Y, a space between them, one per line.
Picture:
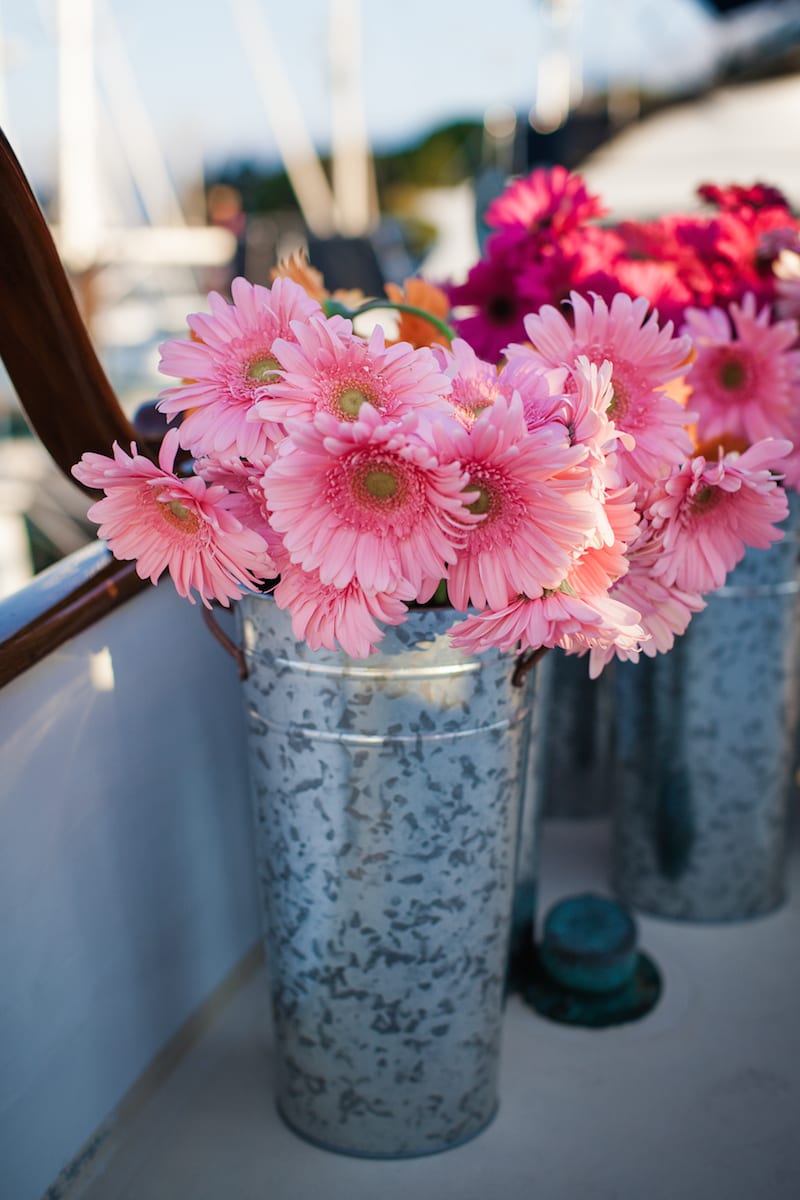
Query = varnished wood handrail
x=44 y=343
x=71 y=406
x=65 y=599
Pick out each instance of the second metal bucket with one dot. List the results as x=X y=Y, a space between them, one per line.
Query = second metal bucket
x=706 y=751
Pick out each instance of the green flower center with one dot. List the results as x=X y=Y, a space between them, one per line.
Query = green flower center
x=732 y=374
x=483 y=502
x=350 y=401
x=707 y=498
x=380 y=484
x=618 y=404
x=176 y=513
x=264 y=370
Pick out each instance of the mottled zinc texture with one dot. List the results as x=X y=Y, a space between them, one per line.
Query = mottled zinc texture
x=386 y=800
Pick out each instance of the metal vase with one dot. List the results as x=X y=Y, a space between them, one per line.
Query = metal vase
x=706 y=747
x=386 y=798
x=576 y=723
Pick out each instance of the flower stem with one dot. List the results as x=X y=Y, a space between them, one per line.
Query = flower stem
x=332 y=307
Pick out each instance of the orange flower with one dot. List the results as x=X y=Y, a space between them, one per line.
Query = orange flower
x=420 y=294
x=726 y=442
x=678 y=390
x=297 y=268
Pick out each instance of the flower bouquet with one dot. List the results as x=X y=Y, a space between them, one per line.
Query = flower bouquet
x=542 y=471
x=409 y=495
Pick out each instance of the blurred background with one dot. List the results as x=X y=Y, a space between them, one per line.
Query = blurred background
x=173 y=145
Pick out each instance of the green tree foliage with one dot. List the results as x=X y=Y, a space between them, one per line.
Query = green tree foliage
x=442 y=158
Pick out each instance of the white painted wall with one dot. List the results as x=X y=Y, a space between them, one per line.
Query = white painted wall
x=126 y=881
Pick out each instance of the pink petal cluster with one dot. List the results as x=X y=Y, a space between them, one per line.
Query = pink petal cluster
x=168 y=523
x=229 y=364
x=574 y=623
x=664 y=611
x=327 y=368
x=706 y=513
x=745 y=377
x=325 y=616
x=369 y=500
x=573 y=473
x=644 y=359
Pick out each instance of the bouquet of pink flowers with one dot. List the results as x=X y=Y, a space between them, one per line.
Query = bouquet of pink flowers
x=567 y=471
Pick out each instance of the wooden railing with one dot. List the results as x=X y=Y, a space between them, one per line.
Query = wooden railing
x=68 y=401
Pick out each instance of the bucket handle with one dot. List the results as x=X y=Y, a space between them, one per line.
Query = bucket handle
x=236 y=652
x=524 y=662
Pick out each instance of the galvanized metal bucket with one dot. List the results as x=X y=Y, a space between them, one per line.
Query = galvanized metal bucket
x=706 y=751
x=576 y=719
x=386 y=797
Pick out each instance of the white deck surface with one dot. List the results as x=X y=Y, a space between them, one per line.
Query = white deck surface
x=698 y=1101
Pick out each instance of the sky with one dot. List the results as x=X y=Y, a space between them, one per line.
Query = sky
x=424 y=62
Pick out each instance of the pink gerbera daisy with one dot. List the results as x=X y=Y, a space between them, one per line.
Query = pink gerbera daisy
x=644 y=358
x=707 y=513
x=664 y=611
x=541 y=390
x=474 y=384
x=323 y=614
x=329 y=369
x=745 y=378
x=587 y=404
x=536 y=513
x=229 y=363
x=602 y=563
x=368 y=500
x=575 y=623
x=162 y=521
x=244 y=481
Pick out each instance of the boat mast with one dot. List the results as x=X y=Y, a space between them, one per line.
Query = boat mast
x=78 y=190
x=352 y=170
x=300 y=159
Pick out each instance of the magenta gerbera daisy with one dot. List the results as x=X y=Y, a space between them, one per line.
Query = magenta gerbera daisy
x=644 y=357
x=550 y=201
x=368 y=500
x=229 y=363
x=707 y=513
x=166 y=522
x=537 y=513
x=329 y=369
x=492 y=302
x=745 y=378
